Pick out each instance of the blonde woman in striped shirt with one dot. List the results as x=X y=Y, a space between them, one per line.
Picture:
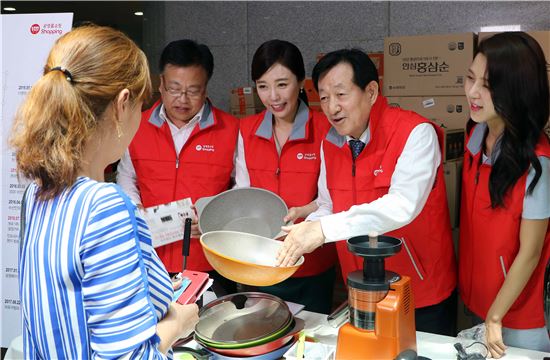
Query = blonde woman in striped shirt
x=91 y=285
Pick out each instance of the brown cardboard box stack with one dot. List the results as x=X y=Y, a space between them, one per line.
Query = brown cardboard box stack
x=426 y=74
x=430 y=65
x=312 y=95
x=378 y=60
x=543 y=38
x=245 y=101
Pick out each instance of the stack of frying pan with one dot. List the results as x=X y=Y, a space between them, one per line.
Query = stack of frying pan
x=247 y=325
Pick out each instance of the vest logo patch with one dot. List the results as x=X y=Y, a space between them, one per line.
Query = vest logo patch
x=378 y=171
x=205 y=148
x=306 y=156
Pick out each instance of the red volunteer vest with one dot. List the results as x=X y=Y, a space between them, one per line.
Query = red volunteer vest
x=427 y=254
x=292 y=175
x=489 y=241
x=203 y=168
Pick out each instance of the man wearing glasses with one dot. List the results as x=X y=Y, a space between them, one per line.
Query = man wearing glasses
x=184 y=147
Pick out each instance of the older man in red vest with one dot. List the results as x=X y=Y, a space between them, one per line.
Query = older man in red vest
x=184 y=148
x=381 y=172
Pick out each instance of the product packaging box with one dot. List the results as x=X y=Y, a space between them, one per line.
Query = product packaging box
x=244 y=97
x=453 y=144
x=378 y=60
x=429 y=65
x=312 y=95
x=453 y=181
x=451 y=112
x=244 y=112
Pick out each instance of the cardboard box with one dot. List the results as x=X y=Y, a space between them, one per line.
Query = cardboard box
x=453 y=180
x=377 y=58
x=245 y=97
x=311 y=93
x=244 y=112
x=315 y=106
x=430 y=65
x=453 y=144
x=451 y=112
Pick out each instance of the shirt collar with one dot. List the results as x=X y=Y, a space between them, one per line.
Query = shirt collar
x=205 y=116
x=191 y=123
x=365 y=136
x=265 y=129
x=340 y=140
x=475 y=143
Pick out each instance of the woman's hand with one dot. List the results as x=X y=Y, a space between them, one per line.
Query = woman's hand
x=195 y=231
x=179 y=322
x=298 y=212
x=493 y=334
x=186 y=316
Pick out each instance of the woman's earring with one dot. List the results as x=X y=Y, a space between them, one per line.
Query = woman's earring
x=118 y=130
x=302 y=90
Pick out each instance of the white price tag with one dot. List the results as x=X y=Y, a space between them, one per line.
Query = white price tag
x=166 y=221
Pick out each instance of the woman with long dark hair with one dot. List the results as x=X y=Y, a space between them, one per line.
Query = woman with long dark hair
x=278 y=150
x=504 y=234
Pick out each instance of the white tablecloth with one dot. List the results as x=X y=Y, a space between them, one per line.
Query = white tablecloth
x=429 y=345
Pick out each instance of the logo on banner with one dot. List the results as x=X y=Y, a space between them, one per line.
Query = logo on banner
x=35 y=28
x=47 y=29
x=204 y=148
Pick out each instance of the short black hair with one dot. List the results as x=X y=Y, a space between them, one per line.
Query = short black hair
x=364 y=70
x=187 y=52
x=278 y=51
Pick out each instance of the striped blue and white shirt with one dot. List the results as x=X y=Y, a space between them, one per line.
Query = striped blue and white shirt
x=91 y=284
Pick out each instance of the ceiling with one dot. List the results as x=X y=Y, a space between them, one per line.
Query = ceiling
x=117 y=14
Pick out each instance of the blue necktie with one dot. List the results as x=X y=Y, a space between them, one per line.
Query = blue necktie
x=356 y=147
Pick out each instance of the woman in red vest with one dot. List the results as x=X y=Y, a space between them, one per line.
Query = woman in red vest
x=278 y=150
x=504 y=234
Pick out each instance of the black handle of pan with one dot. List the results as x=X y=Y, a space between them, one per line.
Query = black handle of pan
x=186 y=241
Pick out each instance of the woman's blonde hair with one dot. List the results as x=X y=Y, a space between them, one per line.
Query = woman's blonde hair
x=85 y=71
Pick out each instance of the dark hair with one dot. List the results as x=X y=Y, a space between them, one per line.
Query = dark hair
x=187 y=53
x=279 y=52
x=364 y=70
x=518 y=81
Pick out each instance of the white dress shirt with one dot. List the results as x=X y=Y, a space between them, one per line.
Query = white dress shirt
x=411 y=183
x=126 y=173
x=242 y=177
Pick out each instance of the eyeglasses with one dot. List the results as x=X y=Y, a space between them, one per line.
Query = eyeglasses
x=190 y=94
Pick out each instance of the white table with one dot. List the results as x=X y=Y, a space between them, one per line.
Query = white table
x=429 y=345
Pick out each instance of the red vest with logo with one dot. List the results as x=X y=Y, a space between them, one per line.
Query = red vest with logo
x=203 y=168
x=427 y=254
x=489 y=241
x=293 y=175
